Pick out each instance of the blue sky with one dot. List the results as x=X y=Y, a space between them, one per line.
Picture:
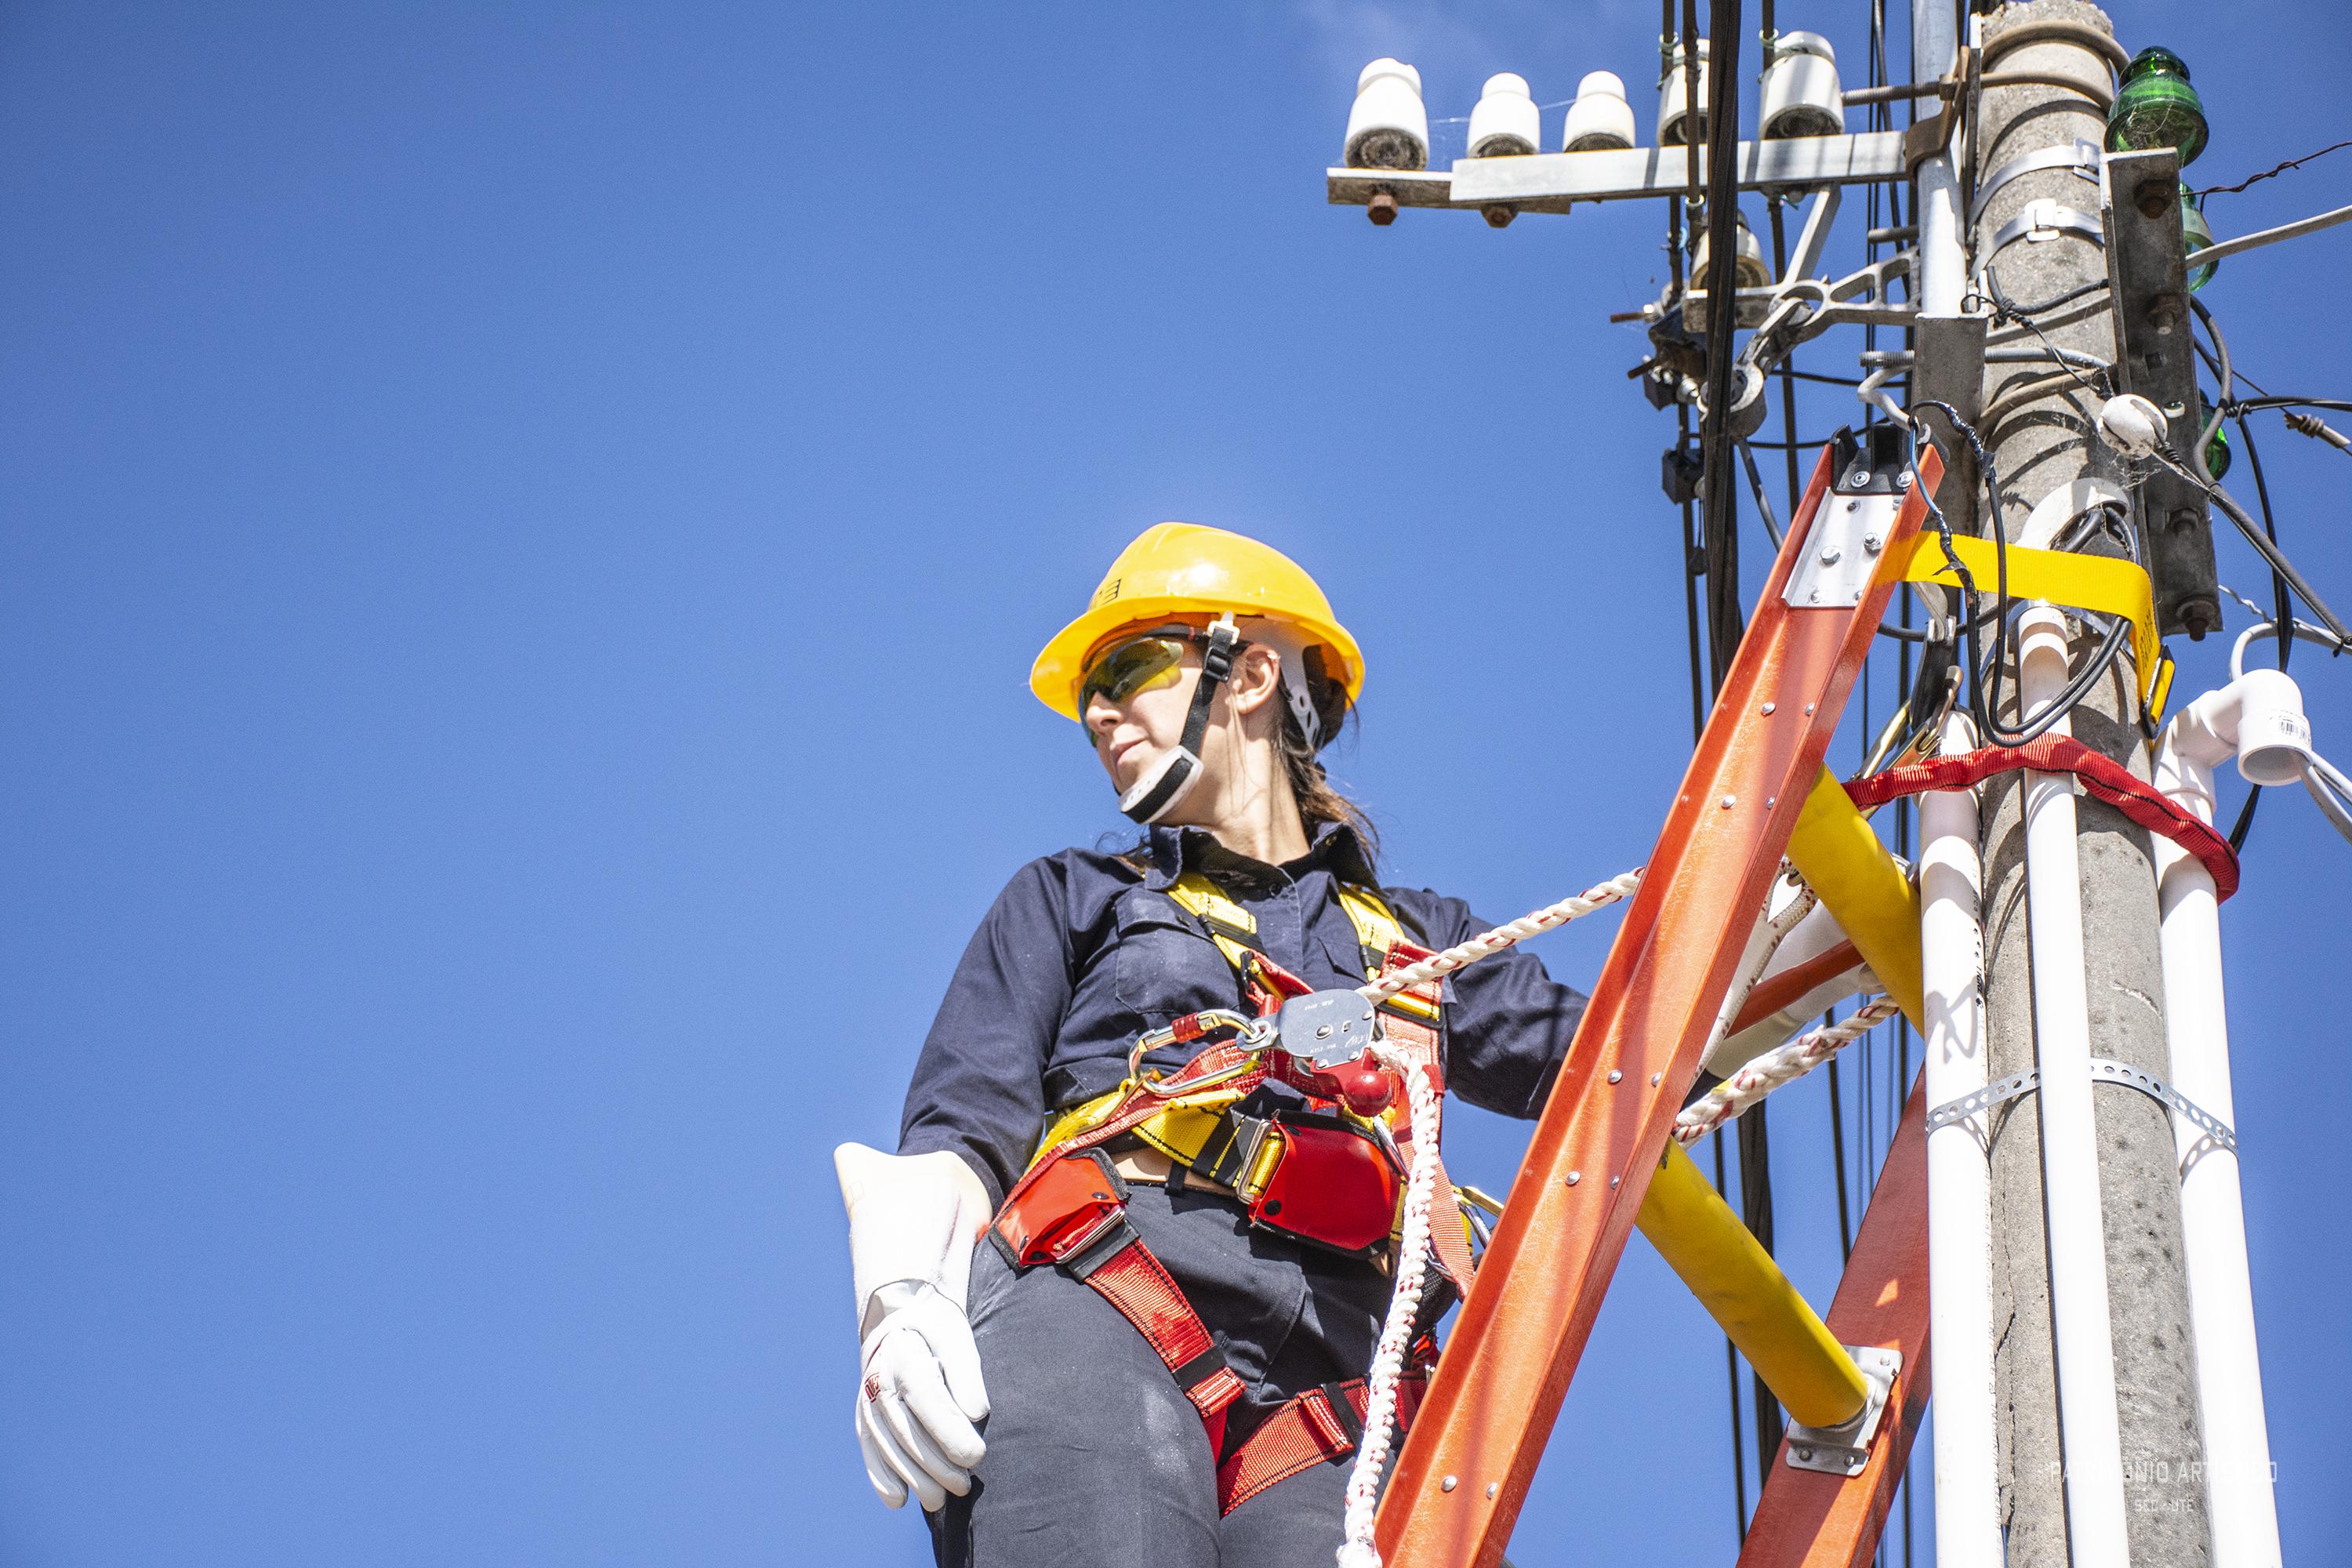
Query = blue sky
x=525 y=532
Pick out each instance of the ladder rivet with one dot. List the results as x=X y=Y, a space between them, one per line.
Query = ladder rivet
x=1654 y=1078
x=1615 y=1075
x=1574 y=1177
x=1768 y=707
x=1770 y=801
x=1728 y=801
x=1613 y=1181
x=1808 y=709
x=1448 y=1484
x=1493 y=1486
x=1801 y=1453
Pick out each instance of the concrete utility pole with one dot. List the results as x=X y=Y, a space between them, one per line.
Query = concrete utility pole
x=2057 y=1489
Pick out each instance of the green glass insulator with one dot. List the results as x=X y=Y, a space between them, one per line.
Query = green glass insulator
x=2217 y=450
x=2156 y=106
x=2199 y=233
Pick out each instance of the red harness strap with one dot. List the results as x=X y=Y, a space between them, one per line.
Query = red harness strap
x=1123 y=1271
x=2100 y=775
x=1321 y=1424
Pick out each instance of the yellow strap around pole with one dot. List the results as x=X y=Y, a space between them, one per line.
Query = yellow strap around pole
x=2099 y=582
x=1863 y=888
x=1744 y=1291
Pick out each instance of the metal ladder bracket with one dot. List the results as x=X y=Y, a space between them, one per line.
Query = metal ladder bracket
x=1844 y=1450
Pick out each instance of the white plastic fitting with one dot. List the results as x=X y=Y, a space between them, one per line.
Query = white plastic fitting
x=1600 y=118
x=1801 y=96
x=1506 y=123
x=2257 y=718
x=1388 y=127
x=2132 y=425
x=1673 y=99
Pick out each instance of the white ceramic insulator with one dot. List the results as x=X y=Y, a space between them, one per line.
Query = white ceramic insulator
x=1387 y=115
x=1801 y=95
x=1673 y=99
x=1506 y=123
x=1600 y=118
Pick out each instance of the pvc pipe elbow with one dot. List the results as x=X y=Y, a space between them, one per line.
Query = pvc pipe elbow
x=2258 y=717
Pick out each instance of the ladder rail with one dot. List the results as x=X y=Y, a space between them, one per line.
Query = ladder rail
x=1808 y=1518
x=1466 y=1467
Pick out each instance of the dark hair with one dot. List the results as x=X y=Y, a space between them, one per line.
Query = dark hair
x=1319 y=800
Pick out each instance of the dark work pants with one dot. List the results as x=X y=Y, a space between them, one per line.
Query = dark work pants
x=1095 y=1456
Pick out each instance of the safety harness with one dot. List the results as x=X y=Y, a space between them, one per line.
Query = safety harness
x=1331 y=1175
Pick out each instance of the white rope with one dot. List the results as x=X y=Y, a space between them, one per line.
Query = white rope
x=1358 y=1550
x=1782 y=1065
x=1548 y=917
x=1763 y=941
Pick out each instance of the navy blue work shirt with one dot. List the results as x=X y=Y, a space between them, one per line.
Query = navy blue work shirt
x=1082 y=951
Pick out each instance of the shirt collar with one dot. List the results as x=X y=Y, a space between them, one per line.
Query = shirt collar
x=1332 y=847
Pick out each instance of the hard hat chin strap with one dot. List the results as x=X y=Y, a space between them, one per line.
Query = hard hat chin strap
x=1155 y=794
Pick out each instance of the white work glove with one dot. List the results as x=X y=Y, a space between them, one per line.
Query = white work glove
x=913 y=1219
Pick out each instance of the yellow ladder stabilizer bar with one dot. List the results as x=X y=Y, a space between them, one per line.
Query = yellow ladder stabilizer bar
x=1744 y=1290
x=1865 y=890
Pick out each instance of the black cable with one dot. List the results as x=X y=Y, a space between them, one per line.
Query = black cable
x=1837 y=1157
x=1731 y=1370
x=1789 y=372
x=2283 y=616
x=2263 y=546
x=2244 y=405
x=1756 y=488
x=2265 y=543
x=1985 y=676
x=2040 y=307
x=2271 y=173
x=2282 y=605
x=1720 y=538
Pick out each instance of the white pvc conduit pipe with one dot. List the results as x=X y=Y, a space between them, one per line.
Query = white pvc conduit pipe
x=2258 y=719
x=2089 y=1431
x=1935 y=39
x=1959 y=1184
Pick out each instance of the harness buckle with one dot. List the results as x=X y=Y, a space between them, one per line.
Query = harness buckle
x=1062 y=1212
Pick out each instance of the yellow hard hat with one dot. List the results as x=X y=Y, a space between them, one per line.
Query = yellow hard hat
x=1177 y=569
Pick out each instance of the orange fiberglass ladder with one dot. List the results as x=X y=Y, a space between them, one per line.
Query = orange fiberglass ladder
x=1465 y=1468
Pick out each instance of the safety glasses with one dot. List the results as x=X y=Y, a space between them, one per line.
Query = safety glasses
x=1140 y=664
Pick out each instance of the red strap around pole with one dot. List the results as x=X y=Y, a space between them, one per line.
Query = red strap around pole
x=2101 y=776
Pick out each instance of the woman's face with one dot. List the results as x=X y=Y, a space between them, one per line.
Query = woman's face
x=1132 y=734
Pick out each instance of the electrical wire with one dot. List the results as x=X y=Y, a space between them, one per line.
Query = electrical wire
x=2247 y=405
x=1756 y=488
x=2246 y=525
x=1986 y=670
x=2271 y=173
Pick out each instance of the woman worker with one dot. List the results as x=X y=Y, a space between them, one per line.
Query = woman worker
x=1156 y=1354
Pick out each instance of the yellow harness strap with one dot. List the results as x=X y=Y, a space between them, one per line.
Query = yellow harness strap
x=1232 y=927
x=1189 y=1130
